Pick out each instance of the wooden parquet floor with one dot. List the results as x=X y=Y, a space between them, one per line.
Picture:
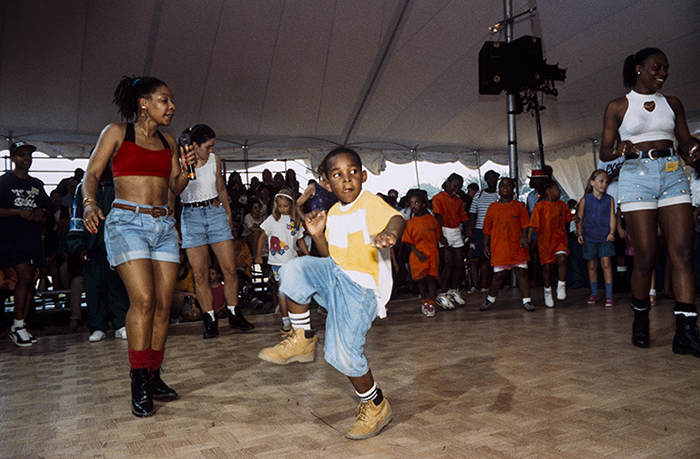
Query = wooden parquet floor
x=562 y=383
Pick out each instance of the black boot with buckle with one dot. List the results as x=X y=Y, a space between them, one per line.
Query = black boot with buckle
x=211 y=326
x=141 y=395
x=686 y=339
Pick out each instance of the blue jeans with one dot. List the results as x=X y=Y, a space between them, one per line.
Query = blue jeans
x=132 y=235
x=204 y=225
x=351 y=308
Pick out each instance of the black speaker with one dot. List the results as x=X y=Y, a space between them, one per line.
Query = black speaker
x=525 y=64
x=493 y=63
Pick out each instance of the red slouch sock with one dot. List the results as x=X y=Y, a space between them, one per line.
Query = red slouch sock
x=157 y=359
x=140 y=359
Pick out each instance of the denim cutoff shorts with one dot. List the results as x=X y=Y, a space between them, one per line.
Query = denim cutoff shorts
x=351 y=308
x=132 y=235
x=595 y=250
x=204 y=225
x=645 y=184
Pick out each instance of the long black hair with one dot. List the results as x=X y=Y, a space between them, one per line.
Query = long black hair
x=629 y=74
x=130 y=90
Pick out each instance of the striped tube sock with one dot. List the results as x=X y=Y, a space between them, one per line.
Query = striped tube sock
x=374 y=394
x=301 y=320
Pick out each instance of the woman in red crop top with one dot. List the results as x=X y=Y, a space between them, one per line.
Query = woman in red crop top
x=653 y=188
x=140 y=235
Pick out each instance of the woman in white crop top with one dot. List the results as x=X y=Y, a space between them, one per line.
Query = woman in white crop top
x=206 y=222
x=653 y=189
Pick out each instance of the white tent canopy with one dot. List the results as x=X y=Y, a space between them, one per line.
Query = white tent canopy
x=397 y=79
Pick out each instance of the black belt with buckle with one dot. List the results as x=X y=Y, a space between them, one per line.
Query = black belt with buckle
x=653 y=154
x=206 y=203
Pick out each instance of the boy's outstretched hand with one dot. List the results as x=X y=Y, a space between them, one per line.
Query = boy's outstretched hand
x=316 y=222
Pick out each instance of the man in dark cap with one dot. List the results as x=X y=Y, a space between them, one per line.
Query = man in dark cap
x=24 y=204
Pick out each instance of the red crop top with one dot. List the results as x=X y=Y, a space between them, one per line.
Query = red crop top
x=132 y=159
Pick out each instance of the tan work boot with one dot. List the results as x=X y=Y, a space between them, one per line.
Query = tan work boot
x=371 y=419
x=298 y=346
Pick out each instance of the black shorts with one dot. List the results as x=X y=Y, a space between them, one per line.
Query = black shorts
x=16 y=254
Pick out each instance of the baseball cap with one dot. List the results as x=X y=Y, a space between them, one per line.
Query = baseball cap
x=21 y=144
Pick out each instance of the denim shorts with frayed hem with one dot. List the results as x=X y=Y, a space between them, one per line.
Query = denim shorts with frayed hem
x=351 y=308
x=647 y=184
x=133 y=235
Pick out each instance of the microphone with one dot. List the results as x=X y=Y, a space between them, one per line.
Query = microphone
x=186 y=142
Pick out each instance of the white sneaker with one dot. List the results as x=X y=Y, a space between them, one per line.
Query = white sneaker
x=444 y=302
x=97 y=335
x=21 y=336
x=456 y=297
x=561 y=291
x=548 y=298
x=428 y=310
x=120 y=333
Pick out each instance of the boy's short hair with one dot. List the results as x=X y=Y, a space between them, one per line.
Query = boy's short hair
x=473 y=186
x=547 y=184
x=337 y=152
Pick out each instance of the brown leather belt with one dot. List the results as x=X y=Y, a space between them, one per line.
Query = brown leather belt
x=152 y=211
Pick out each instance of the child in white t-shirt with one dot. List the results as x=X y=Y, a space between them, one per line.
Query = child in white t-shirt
x=282 y=231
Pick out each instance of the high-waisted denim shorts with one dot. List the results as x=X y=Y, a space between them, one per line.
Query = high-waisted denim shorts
x=645 y=184
x=133 y=235
x=204 y=225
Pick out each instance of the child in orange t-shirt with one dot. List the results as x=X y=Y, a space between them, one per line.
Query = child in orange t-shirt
x=505 y=243
x=549 y=219
x=449 y=213
x=422 y=235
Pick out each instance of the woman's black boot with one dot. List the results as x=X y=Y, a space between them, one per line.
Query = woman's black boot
x=211 y=326
x=640 y=326
x=160 y=390
x=141 y=395
x=686 y=339
x=237 y=320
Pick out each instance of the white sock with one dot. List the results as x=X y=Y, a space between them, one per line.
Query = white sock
x=211 y=313
x=286 y=320
x=491 y=299
x=369 y=395
x=302 y=320
x=527 y=300
x=18 y=324
x=561 y=284
x=232 y=309
x=652 y=292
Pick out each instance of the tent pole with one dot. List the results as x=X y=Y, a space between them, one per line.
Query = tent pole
x=245 y=163
x=415 y=163
x=510 y=101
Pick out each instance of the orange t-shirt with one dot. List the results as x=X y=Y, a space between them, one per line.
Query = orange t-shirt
x=450 y=208
x=505 y=223
x=550 y=219
x=424 y=233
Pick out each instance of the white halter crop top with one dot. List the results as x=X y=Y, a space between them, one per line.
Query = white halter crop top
x=204 y=188
x=642 y=125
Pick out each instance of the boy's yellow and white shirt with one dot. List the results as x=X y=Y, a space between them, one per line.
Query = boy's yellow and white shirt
x=350 y=228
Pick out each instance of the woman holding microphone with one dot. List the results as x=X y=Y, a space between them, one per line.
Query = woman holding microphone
x=206 y=222
x=140 y=234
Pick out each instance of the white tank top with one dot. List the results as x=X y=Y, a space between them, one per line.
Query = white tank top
x=642 y=125
x=204 y=188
